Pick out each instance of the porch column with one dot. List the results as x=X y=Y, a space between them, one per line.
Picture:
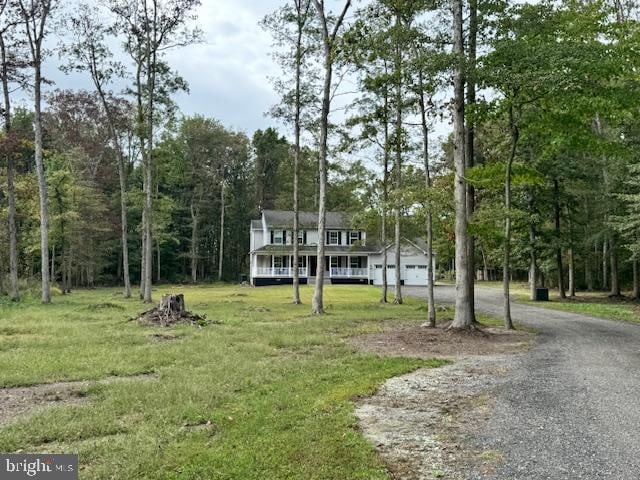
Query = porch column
x=330 y=266
x=349 y=266
x=272 y=263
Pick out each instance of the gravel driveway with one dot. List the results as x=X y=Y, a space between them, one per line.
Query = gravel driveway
x=570 y=407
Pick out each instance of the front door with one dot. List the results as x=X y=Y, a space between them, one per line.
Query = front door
x=313 y=266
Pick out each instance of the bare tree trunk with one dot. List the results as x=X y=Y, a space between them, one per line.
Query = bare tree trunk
x=194 y=244
x=613 y=253
x=605 y=260
x=124 y=228
x=533 y=265
x=398 y=161
x=385 y=199
x=221 y=251
x=506 y=265
x=151 y=66
x=14 y=293
x=42 y=183
x=301 y=20
x=636 y=280
x=485 y=266
x=572 y=283
x=158 y=261
x=470 y=142
x=143 y=249
x=463 y=318
x=53 y=263
x=431 y=317
x=328 y=44
x=570 y=260
x=556 y=189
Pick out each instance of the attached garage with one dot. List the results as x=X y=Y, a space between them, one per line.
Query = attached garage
x=413 y=264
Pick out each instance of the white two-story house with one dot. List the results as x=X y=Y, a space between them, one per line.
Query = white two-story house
x=348 y=256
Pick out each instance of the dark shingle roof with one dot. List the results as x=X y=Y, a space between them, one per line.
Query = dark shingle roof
x=284 y=219
x=256 y=224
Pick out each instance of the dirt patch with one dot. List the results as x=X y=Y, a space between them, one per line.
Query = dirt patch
x=422 y=424
x=18 y=401
x=423 y=342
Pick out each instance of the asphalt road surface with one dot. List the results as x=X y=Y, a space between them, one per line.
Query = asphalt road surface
x=570 y=408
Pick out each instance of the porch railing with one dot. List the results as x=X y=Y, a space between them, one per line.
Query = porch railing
x=279 y=272
x=348 y=272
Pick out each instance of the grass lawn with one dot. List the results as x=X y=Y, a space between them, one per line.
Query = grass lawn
x=597 y=304
x=264 y=395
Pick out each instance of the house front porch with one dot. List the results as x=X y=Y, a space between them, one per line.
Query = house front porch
x=272 y=269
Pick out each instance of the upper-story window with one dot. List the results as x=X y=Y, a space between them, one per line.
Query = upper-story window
x=333 y=237
x=354 y=237
x=279 y=237
x=302 y=237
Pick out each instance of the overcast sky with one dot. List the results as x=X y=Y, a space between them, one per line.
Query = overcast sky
x=228 y=74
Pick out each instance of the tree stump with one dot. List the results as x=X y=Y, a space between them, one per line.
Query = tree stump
x=172 y=304
x=171 y=310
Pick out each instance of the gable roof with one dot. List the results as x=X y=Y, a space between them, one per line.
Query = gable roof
x=418 y=243
x=256 y=224
x=284 y=219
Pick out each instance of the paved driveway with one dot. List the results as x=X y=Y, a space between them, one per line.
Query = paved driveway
x=570 y=408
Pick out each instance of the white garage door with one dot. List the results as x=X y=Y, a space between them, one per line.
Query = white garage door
x=377 y=274
x=415 y=275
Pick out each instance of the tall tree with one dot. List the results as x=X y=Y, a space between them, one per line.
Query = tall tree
x=10 y=66
x=463 y=318
x=290 y=27
x=330 y=29
x=151 y=28
x=89 y=53
x=36 y=14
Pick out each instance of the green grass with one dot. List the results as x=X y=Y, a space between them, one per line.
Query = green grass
x=264 y=395
x=596 y=304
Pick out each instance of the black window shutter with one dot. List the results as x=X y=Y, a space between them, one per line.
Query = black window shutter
x=304 y=237
x=271 y=236
x=327 y=235
x=339 y=238
x=359 y=236
x=284 y=237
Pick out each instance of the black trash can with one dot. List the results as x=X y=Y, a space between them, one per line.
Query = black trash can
x=542 y=294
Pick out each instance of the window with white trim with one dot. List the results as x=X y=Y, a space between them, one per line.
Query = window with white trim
x=355 y=262
x=422 y=267
x=377 y=265
x=278 y=262
x=334 y=262
x=354 y=237
x=301 y=237
x=278 y=237
x=333 y=237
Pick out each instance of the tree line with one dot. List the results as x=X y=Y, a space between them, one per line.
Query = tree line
x=537 y=177
x=535 y=181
